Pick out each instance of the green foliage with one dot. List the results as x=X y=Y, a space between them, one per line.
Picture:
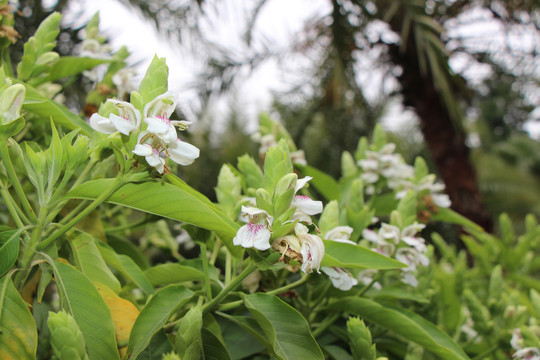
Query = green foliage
x=146 y=266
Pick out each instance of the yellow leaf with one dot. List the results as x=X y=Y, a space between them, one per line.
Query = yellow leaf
x=123 y=313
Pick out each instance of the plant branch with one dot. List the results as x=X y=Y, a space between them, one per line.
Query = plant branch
x=232 y=285
x=117 y=184
x=4 y=154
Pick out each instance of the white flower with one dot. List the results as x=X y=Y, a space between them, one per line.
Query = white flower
x=312 y=250
x=528 y=353
x=340 y=234
x=127 y=120
x=384 y=164
x=341 y=279
x=155 y=151
x=123 y=80
x=304 y=205
x=157 y=115
x=255 y=233
x=182 y=153
x=517 y=339
x=366 y=278
x=428 y=185
x=408 y=278
x=151 y=155
x=412 y=258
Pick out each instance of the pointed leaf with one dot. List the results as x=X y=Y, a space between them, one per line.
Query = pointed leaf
x=339 y=254
x=154 y=316
x=18 y=332
x=164 y=274
x=81 y=298
x=286 y=329
x=405 y=323
x=213 y=348
x=40 y=105
x=127 y=267
x=72 y=65
x=326 y=185
x=9 y=250
x=183 y=204
x=90 y=262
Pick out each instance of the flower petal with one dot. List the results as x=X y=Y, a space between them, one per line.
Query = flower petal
x=162 y=105
x=102 y=124
x=127 y=111
x=125 y=126
x=253 y=235
x=306 y=205
x=183 y=153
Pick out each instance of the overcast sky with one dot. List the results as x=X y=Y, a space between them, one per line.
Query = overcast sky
x=280 y=28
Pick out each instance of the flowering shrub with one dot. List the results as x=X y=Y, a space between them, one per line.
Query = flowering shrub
x=293 y=263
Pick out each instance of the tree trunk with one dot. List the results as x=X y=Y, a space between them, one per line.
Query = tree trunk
x=444 y=139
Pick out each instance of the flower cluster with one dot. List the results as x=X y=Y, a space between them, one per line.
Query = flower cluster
x=384 y=164
x=521 y=351
x=305 y=248
x=428 y=187
x=390 y=237
x=159 y=140
x=341 y=278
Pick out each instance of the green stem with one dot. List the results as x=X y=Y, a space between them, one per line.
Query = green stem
x=325 y=324
x=73 y=212
x=293 y=285
x=215 y=251
x=204 y=259
x=12 y=207
x=232 y=285
x=4 y=154
x=127 y=226
x=484 y=354
x=117 y=184
x=30 y=248
x=83 y=174
x=368 y=286
x=228 y=268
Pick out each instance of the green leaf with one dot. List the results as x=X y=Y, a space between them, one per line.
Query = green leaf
x=285 y=328
x=40 y=105
x=452 y=217
x=127 y=267
x=81 y=298
x=72 y=65
x=277 y=164
x=339 y=254
x=89 y=261
x=239 y=340
x=155 y=80
x=179 y=202
x=329 y=217
x=213 y=348
x=405 y=323
x=188 y=337
x=9 y=249
x=407 y=209
x=18 y=332
x=42 y=42
x=326 y=185
x=252 y=173
x=154 y=316
x=420 y=169
x=171 y=273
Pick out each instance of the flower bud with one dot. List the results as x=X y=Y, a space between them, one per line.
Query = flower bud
x=11 y=101
x=66 y=338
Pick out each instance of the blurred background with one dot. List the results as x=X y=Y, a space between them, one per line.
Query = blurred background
x=455 y=81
